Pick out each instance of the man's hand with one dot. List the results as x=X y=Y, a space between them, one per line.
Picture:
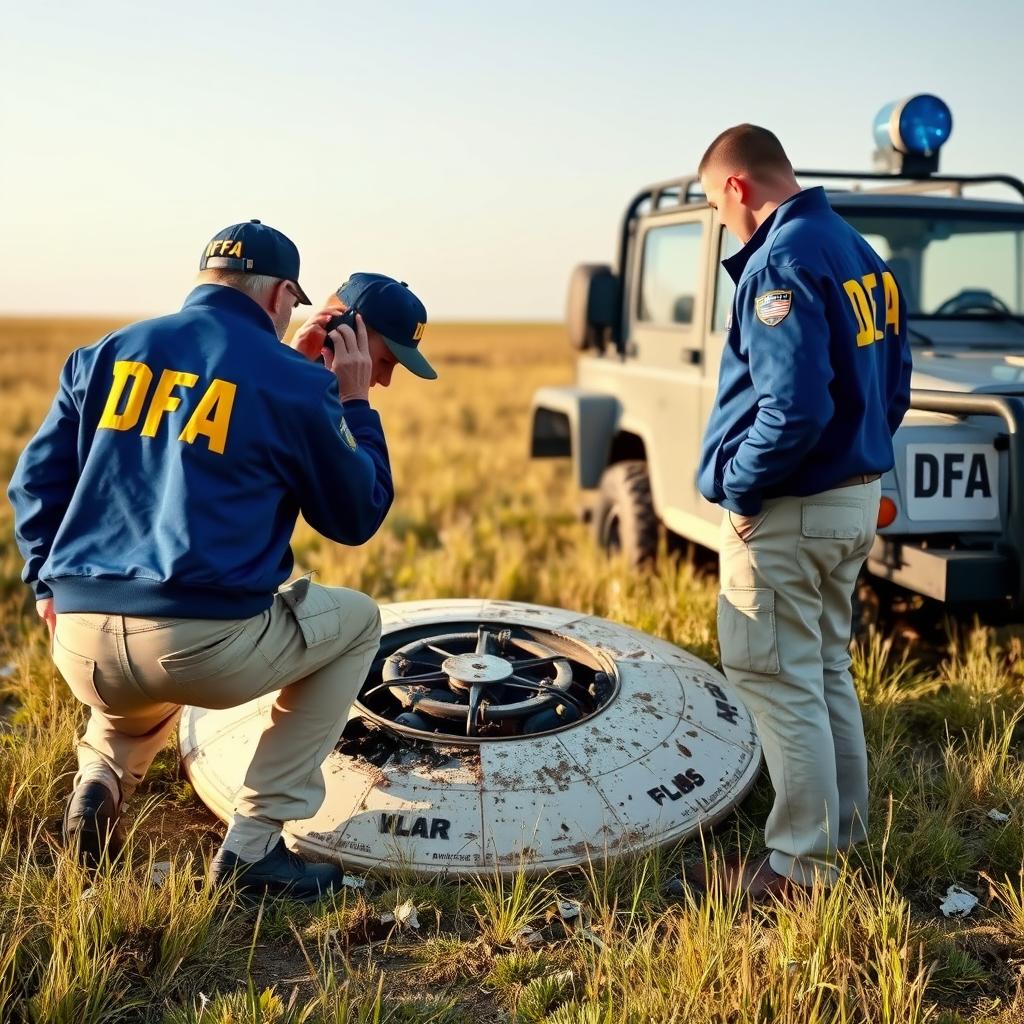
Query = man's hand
x=44 y=609
x=309 y=338
x=350 y=361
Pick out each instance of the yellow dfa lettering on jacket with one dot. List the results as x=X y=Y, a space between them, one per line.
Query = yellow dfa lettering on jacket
x=141 y=376
x=864 y=301
x=210 y=417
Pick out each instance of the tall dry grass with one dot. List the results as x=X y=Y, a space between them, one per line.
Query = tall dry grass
x=474 y=517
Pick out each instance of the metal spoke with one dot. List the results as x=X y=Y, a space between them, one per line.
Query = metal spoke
x=475 y=696
x=482 y=637
x=403 y=661
x=422 y=661
x=533 y=684
x=535 y=662
x=423 y=677
x=437 y=650
x=387 y=686
x=543 y=688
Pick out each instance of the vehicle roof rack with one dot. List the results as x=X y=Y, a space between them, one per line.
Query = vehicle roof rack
x=942 y=180
x=678 y=193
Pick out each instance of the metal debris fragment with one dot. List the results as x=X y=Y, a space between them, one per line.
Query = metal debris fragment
x=568 y=910
x=159 y=873
x=958 y=902
x=404 y=915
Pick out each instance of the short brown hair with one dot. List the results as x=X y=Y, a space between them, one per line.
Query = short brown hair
x=747 y=148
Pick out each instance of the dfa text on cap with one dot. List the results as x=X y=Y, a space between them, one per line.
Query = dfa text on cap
x=254 y=248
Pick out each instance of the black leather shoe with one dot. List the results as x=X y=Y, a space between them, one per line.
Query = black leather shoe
x=92 y=824
x=279 y=873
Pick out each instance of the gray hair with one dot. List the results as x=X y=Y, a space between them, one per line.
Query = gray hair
x=256 y=286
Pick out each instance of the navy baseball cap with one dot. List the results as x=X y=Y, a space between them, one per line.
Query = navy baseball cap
x=391 y=309
x=254 y=248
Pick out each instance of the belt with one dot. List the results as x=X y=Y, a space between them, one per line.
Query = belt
x=859 y=478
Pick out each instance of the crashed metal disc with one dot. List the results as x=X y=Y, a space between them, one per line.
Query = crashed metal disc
x=640 y=744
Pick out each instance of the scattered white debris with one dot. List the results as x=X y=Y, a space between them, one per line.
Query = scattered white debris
x=529 y=936
x=6 y=671
x=159 y=874
x=998 y=815
x=403 y=915
x=353 y=882
x=958 y=902
x=568 y=910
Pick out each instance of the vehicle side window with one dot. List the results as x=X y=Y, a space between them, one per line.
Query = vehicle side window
x=670 y=274
x=728 y=245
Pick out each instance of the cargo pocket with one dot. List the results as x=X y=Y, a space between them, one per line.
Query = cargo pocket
x=315 y=609
x=79 y=673
x=839 y=522
x=746 y=630
x=220 y=657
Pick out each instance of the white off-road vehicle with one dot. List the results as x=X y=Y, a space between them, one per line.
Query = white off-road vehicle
x=651 y=332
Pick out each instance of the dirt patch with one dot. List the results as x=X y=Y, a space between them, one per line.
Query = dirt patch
x=175 y=829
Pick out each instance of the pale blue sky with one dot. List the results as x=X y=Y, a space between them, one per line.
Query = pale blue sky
x=476 y=150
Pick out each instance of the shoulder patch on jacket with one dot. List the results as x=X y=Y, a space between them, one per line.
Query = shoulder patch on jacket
x=347 y=435
x=773 y=307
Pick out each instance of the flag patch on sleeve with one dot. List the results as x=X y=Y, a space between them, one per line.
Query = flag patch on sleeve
x=347 y=435
x=773 y=307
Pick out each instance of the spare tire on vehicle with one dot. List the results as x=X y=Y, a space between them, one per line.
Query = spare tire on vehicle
x=592 y=306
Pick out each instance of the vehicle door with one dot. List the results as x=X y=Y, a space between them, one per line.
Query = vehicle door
x=718 y=313
x=665 y=354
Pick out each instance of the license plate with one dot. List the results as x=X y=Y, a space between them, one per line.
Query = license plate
x=952 y=481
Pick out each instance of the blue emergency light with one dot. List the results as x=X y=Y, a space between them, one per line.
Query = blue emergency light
x=910 y=132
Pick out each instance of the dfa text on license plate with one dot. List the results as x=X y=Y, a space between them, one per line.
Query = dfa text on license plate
x=952 y=481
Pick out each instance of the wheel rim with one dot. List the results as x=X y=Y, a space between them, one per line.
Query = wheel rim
x=482 y=682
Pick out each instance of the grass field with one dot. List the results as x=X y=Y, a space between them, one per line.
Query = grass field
x=474 y=517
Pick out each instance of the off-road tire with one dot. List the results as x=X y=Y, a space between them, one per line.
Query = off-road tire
x=624 y=519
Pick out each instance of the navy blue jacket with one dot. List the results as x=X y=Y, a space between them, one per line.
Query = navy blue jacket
x=815 y=373
x=168 y=475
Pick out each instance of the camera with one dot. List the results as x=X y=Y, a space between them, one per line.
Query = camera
x=348 y=318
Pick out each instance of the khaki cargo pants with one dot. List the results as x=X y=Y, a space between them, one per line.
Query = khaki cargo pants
x=784 y=618
x=314 y=643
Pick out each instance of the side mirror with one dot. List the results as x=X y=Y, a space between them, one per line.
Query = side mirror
x=592 y=311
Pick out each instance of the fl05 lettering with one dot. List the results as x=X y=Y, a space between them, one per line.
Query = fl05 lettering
x=876 y=306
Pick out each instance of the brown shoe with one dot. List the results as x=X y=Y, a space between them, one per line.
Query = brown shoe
x=754 y=879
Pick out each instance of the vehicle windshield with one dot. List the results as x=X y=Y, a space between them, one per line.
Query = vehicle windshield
x=950 y=266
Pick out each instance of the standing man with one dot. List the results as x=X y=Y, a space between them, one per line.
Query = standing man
x=154 y=510
x=814 y=381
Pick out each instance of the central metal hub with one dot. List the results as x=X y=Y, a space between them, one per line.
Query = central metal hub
x=476 y=668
